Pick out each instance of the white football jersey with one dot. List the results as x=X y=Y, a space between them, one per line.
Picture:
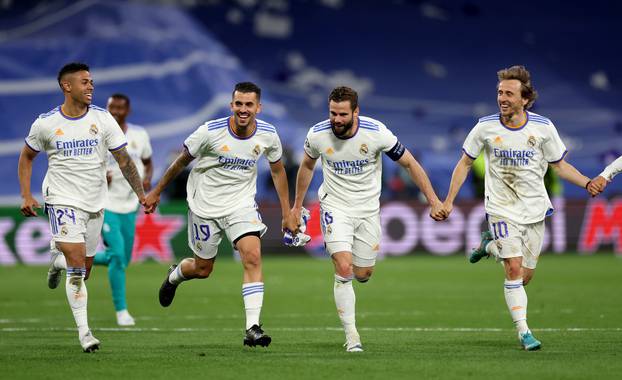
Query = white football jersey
x=76 y=149
x=352 y=167
x=516 y=162
x=121 y=197
x=612 y=169
x=224 y=179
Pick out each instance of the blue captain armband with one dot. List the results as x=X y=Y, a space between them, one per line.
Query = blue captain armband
x=396 y=152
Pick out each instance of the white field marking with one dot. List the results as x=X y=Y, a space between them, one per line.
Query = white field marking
x=304 y=329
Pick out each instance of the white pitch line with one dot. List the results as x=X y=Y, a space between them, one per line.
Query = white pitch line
x=304 y=329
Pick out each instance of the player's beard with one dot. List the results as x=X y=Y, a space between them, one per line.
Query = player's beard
x=243 y=129
x=343 y=130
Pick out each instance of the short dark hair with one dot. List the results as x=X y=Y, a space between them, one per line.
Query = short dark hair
x=520 y=73
x=246 y=87
x=342 y=94
x=70 y=68
x=118 y=95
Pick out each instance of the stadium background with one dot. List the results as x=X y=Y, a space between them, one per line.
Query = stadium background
x=425 y=68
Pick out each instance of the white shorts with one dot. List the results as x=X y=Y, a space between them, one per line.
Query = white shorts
x=360 y=236
x=518 y=240
x=73 y=225
x=204 y=235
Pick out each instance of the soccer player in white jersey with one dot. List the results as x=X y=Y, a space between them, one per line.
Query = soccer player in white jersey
x=120 y=212
x=351 y=148
x=518 y=147
x=221 y=197
x=76 y=137
x=598 y=184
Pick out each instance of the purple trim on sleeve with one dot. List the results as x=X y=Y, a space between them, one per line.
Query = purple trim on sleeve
x=471 y=157
x=188 y=150
x=119 y=147
x=31 y=146
x=562 y=157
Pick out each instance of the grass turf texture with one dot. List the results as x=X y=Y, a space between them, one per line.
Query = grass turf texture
x=419 y=317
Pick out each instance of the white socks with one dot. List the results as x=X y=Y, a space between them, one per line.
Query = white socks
x=345 y=300
x=516 y=299
x=177 y=277
x=252 y=293
x=77 y=297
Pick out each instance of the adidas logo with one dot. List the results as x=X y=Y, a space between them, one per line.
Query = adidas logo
x=59 y=132
x=225 y=148
x=330 y=151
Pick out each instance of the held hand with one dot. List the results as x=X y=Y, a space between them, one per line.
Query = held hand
x=448 y=207
x=291 y=221
x=295 y=214
x=29 y=206
x=150 y=202
x=438 y=212
x=596 y=186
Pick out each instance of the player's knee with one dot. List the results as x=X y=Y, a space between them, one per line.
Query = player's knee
x=363 y=276
x=203 y=271
x=116 y=262
x=251 y=258
x=513 y=269
x=344 y=270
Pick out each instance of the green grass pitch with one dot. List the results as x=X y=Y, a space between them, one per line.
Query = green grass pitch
x=419 y=317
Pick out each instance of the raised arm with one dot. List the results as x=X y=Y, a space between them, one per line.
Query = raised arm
x=303 y=179
x=279 y=177
x=461 y=171
x=129 y=172
x=153 y=198
x=24 y=172
x=421 y=179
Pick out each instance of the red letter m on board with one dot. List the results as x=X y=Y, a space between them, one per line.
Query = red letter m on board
x=602 y=224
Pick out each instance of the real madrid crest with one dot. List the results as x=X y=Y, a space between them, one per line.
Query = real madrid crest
x=363 y=149
x=257 y=150
x=64 y=231
x=199 y=246
x=531 y=141
x=329 y=230
x=93 y=129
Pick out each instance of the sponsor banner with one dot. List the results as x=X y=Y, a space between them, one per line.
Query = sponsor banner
x=576 y=226
x=161 y=236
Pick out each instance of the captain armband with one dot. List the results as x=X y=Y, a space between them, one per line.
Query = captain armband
x=396 y=152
